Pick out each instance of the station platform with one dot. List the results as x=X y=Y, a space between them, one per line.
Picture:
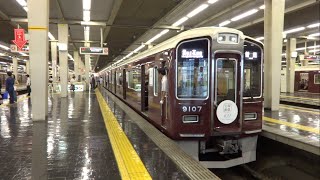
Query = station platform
x=88 y=136
x=294 y=126
x=20 y=87
x=301 y=98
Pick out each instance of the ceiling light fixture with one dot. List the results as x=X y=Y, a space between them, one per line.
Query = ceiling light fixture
x=86 y=33
x=313 y=25
x=312 y=47
x=314 y=50
x=86 y=15
x=180 y=21
x=262 y=7
x=86 y=4
x=51 y=37
x=197 y=10
x=22 y=2
x=246 y=14
x=294 y=30
x=212 y=1
x=314 y=34
x=139 y=48
x=26 y=9
x=4 y=47
x=224 y=23
x=157 y=36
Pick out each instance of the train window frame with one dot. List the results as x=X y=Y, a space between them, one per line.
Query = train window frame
x=155 y=81
x=261 y=71
x=318 y=78
x=208 y=73
x=216 y=78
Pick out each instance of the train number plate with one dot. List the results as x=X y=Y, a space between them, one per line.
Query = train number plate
x=191 y=108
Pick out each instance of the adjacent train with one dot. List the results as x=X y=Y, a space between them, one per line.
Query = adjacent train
x=202 y=88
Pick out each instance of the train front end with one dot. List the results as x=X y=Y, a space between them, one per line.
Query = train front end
x=218 y=97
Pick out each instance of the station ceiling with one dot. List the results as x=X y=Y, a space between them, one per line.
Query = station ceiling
x=126 y=24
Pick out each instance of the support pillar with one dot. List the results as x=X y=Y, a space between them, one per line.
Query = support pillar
x=76 y=64
x=273 y=29
x=38 y=24
x=15 y=67
x=54 y=60
x=87 y=67
x=291 y=47
x=63 y=58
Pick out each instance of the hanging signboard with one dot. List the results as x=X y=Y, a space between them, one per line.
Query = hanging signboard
x=94 y=50
x=19 y=38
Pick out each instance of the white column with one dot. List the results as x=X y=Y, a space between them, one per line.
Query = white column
x=76 y=64
x=38 y=24
x=63 y=58
x=291 y=47
x=15 y=66
x=87 y=64
x=273 y=28
x=28 y=67
x=54 y=60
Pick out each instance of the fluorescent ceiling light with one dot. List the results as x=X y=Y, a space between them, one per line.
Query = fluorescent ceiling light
x=23 y=54
x=285 y=40
x=4 y=47
x=51 y=37
x=86 y=4
x=1 y=54
x=241 y=16
x=259 y=38
x=262 y=7
x=312 y=47
x=26 y=9
x=299 y=49
x=197 y=10
x=224 y=23
x=313 y=35
x=86 y=15
x=315 y=50
x=294 y=30
x=180 y=21
x=71 y=58
x=212 y=1
x=139 y=48
x=86 y=33
x=157 y=36
x=22 y=2
x=313 y=25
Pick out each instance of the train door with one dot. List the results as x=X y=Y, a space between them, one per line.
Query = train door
x=115 y=82
x=226 y=93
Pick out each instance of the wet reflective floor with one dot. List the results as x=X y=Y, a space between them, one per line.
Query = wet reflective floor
x=302 y=98
x=158 y=164
x=308 y=118
x=71 y=144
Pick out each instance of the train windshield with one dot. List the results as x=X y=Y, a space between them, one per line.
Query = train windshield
x=192 y=69
x=252 y=70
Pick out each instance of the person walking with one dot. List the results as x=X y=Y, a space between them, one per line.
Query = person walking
x=101 y=81
x=9 y=86
x=28 y=84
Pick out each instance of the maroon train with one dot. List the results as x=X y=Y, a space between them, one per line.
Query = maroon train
x=213 y=106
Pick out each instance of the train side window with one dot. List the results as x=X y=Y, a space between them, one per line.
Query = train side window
x=316 y=79
x=155 y=81
x=192 y=72
x=252 y=70
x=134 y=80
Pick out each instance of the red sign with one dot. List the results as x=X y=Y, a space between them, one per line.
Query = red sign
x=19 y=38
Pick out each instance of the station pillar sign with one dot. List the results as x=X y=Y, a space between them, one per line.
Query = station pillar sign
x=19 y=38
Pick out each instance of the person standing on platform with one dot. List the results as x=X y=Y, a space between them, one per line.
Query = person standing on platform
x=0 y=91
x=72 y=81
x=28 y=84
x=9 y=86
x=93 y=82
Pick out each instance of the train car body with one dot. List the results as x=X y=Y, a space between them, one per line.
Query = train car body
x=213 y=105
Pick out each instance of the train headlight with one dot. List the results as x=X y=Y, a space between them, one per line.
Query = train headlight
x=250 y=116
x=228 y=38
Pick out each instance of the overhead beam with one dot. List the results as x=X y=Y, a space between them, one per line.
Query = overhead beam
x=288 y=10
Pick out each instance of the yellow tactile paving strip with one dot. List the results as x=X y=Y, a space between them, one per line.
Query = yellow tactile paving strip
x=129 y=163
x=301 y=109
x=293 y=125
x=298 y=97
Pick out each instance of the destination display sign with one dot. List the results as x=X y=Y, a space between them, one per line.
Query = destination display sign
x=94 y=50
x=191 y=53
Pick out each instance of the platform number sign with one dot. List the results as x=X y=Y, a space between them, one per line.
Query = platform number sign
x=191 y=108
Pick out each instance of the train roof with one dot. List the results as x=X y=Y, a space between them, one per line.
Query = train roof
x=172 y=42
